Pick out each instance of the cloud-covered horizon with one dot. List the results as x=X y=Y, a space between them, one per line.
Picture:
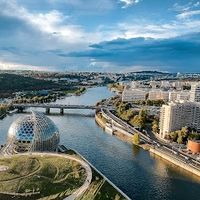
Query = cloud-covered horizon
x=164 y=54
x=106 y=35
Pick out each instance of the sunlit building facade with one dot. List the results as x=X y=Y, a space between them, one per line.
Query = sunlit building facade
x=174 y=116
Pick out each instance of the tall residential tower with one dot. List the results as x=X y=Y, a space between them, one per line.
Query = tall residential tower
x=195 y=92
x=174 y=116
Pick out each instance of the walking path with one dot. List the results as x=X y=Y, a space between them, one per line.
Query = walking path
x=84 y=164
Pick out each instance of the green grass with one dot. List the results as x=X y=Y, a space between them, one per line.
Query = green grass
x=47 y=175
x=100 y=189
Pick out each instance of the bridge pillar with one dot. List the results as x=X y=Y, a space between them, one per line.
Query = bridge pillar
x=47 y=111
x=20 y=110
x=62 y=111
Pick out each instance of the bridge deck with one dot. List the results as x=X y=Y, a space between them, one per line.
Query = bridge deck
x=59 y=106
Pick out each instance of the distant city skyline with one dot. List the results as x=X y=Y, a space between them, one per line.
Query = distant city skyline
x=104 y=35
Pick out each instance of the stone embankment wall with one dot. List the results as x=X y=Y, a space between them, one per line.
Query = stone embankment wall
x=165 y=156
x=173 y=160
x=119 y=134
x=99 y=121
x=110 y=182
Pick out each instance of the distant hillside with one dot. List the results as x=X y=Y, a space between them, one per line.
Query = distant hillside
x=10 y=83
x=151 y=72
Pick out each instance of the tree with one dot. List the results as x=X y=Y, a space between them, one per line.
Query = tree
x=155 y=126
x=136 y=139
x=184 y=132
x=182 y=135
x=173 y=136
x=137 y=122
x=143 y=115
x=180 y=140
x=194 y=135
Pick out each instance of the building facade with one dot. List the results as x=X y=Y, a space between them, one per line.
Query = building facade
x=158 y=94
x=174 y=116
x=134 y=94
x=195 y=92
x=179 y=95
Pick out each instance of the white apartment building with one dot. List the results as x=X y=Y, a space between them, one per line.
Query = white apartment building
x=135 y=84
x=153 y=84
x=179 y=95
x=165 y=84
x=195 y=92
x=178 y=85
x=174 y=95
x=174 y=116
x=158 y=94
x=130 y=94
x=183 y=96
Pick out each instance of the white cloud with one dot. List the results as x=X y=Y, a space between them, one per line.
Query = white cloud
x=53 y=22
x=188 y=14
x=54 y=30
x=180 y=8
x=4 y=65
x=128 y=3
x=158 y=31
x=197 y=4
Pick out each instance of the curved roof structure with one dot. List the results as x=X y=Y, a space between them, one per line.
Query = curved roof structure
x=34 y=132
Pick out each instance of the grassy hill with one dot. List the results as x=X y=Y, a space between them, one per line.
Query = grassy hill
x=41 y=176
x=10 y=83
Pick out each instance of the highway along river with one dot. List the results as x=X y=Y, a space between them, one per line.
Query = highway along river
x=132 y=169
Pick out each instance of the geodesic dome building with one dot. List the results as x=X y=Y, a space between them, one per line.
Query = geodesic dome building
x=34 y=132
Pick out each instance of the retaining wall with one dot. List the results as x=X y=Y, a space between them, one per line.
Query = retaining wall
x=173 y=160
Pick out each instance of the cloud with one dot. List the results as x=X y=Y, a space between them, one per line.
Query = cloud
x=173 y=54
x=185 y=7
x=128 y=3
x=182 y=7
x=188 y=14
x=156 y=30
x=52 y=22
x=197 y=4
x=15 y=66
x=57 y=32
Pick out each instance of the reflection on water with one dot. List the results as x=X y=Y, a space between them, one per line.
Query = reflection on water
x=132 y=169
x=136 y=150
x=165 y=168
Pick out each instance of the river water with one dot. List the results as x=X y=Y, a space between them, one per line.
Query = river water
x=136 y=172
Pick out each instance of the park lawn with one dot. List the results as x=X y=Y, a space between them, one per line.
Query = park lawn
x=48 y=175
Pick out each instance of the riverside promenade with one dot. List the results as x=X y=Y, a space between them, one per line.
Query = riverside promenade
x=157 y=148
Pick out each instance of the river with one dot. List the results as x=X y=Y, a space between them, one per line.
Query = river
x=137 y=173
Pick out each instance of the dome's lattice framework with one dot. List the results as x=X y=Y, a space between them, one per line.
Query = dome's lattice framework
x=34 y=132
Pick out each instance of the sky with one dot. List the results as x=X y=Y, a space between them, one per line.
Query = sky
x=100 y=35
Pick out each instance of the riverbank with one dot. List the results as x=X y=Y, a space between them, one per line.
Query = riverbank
x=101 y=120
x=175 y=161
x=116 y=87
x=48 y=96
x=120 y=196
x=4 y=109
x=130 y=168
x=42 y=99
x=120 y=134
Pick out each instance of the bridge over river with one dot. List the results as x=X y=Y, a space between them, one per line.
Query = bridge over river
x=48 y=107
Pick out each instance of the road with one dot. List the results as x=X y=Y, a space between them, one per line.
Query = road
x=154 y=142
